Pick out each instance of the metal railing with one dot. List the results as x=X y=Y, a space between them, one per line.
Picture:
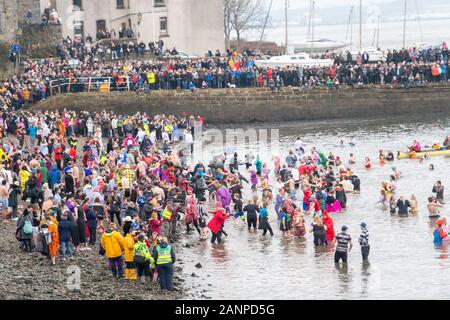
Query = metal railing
x=89 y=84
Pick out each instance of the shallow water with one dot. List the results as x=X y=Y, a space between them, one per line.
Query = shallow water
x=403 y=261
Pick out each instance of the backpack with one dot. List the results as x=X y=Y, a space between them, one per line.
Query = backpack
x=41 y=243
x=138 y=257
x=47 y=238
x=27 y=227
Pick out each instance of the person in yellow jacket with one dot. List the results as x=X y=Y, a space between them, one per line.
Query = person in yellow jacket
x=26 y=95
x=113 y=243
x=146 y=129
x=151 y=79
x=3 y=155
x=231 y=63
x=142 y=260
x=130 y=271
x=24 y=176
x=169 y=129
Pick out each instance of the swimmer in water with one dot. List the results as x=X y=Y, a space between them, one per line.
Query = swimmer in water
x=433 y=207
x=352 y=159
x=381 y=158
x=352 y=142
x=367 y=164
x=341 y=144
x=397 y=172
x=414 y=205
x=431 y=167
x=390 y=156
x=393 y=183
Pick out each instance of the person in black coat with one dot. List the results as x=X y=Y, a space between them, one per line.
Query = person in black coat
x=127 y=225
x=341 y=195
x=69 y=182
x=14 y=192
x=403 y=205
x=25 y=238
x=91 y=217
x=81 y=222
x=64 y=229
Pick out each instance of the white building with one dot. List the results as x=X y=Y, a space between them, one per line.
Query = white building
x=194 y=26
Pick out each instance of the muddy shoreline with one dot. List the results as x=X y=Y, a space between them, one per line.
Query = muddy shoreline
x=31 y=277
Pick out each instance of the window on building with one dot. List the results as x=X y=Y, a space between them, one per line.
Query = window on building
x=101 y=25
x=120 y=4
x=163 y=25
x=78 y=3
x=101 y=30
x=159 y=3
x=78 y=29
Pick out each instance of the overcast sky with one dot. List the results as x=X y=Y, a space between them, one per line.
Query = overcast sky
x=278 y=4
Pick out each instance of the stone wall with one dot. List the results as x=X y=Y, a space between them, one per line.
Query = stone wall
x=13 y=13
x=261 y=105
x=8 y=20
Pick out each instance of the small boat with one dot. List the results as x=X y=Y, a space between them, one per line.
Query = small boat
x=319 y=45
x=375 y=55
x=300 y=59
x=431 y=153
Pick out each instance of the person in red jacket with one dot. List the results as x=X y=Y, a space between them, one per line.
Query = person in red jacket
x=328 y=222
x=58 y=156
x=216 y=223
x=73 y=153
x=315 y=204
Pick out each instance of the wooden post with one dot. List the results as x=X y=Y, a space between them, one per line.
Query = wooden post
x=68 y=87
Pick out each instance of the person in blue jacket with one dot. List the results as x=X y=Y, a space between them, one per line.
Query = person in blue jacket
x=55 y=176
x=64 y=228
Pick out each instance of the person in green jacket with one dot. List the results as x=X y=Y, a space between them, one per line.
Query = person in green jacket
x=164 y=256
x=142 y=260
x=258 y=164
x=45 y=174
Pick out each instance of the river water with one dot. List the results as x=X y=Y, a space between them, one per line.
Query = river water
x=391 y=33
x=404 y=264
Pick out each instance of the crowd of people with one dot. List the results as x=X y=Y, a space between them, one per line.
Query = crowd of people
x=81 y=59
x=72 y=178
x=82 y=177
x=128 y=187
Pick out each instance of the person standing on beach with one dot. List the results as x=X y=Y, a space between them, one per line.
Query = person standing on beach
x=113 y=243
x=164 y=256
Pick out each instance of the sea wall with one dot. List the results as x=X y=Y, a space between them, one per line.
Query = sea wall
x=262 y=105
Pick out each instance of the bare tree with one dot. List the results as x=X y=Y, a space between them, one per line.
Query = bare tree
x=241 y=16
x=227 y=21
